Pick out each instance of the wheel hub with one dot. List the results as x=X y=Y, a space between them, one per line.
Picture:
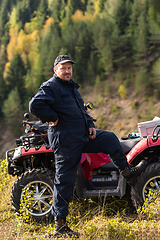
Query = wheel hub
x=37 y=197
x=152 y=188
x=40 y=198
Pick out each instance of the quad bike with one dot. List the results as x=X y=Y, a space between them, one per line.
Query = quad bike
x=32 y=161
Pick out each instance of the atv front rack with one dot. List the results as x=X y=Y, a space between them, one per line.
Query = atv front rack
x=26 y=145
x=15 y=155
x=33 y=140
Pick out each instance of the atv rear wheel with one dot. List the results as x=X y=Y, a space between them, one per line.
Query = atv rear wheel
x=147 y=185
x=33 y=191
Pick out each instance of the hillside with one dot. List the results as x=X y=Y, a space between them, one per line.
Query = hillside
x=6 y=139
x=121 y=115
x=106 y=38
x=114 y=43
x=116 y=47
x=112 y=113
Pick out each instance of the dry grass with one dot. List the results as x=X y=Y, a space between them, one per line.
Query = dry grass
x=96 y=218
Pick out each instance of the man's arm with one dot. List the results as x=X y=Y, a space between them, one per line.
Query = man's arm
x=40 y=105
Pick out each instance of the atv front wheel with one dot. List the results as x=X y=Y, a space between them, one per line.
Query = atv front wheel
x=33 y=191
x=147 y=185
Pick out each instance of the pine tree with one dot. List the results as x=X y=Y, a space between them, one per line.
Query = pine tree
x=122 y=15
x=141 y=37
x=57 y=9
x=2 y=91
x=77 y=39
x=54 y=48
x=72 y=6
x=69 y=9
x=156 y=8
x=90 y=6
x=103 y=28
x=101 y=5
x=3 y=16
x=42 y=13
x=12 y=111
x=15 y=76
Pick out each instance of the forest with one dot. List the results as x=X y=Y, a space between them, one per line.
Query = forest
x=106 y=38
x=116 y=47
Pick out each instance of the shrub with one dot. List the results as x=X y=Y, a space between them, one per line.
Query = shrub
x=122 y=91
x=115 y=110
x=96 y=85
x=135 y=104
x=107 y=88
x=141 y=81
x=101 y=122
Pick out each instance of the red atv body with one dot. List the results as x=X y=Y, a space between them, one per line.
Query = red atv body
x=33 y=163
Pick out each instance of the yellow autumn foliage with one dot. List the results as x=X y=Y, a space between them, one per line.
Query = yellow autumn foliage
x=48 y=23
x=23 y=43
x=12 y=45
x=6 y=69
x=79 y=16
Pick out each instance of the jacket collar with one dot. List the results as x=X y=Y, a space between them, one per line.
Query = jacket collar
x=68 y=83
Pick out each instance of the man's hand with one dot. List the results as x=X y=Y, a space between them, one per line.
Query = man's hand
x=92 y=133
x=53 y=124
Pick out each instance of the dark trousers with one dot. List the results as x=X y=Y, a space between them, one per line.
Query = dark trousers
x=67 y=159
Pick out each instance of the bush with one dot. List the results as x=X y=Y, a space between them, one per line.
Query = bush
x=115 y=110
x=97 y=83
x=135 y=104
x=141 y=81
x=107 y=88
x=122 y=91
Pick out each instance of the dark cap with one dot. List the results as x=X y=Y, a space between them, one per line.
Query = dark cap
x=62 y=59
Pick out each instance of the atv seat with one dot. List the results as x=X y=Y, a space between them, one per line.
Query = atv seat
x=128 y=144
x=109 y=167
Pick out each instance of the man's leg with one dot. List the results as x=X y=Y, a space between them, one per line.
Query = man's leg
x=108 y=143
x=66 y=162
x=65 y=176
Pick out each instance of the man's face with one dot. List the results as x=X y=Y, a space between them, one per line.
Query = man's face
x=64 y=71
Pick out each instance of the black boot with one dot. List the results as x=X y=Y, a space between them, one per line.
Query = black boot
x=130 y=174
x=62 y=230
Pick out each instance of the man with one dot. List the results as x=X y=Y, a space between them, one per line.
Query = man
x=71 y=132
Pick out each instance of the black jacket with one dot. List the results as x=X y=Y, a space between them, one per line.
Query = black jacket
x=59 y=99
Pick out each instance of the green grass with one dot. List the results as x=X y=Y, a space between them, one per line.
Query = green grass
x=109 y=218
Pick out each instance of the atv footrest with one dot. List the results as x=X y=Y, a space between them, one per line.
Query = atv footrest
x=110 y=191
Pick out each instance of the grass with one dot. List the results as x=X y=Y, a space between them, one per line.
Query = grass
x=109 y=218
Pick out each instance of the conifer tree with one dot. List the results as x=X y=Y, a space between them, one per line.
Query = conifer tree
x=54 y=48
x=12 y=111
x=156 y=8
x=72 y=6
x=122 y=15
x=69 y=9
x=2 y=91
x=15 y=76
x=3 y=16
x=103 y=28
x=57 y=8
x=42 y=13
x=141 y=37
x=90 y=6
x=100 y=5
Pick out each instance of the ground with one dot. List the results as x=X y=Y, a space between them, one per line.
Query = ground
x=120 y=115
x=7 y=140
